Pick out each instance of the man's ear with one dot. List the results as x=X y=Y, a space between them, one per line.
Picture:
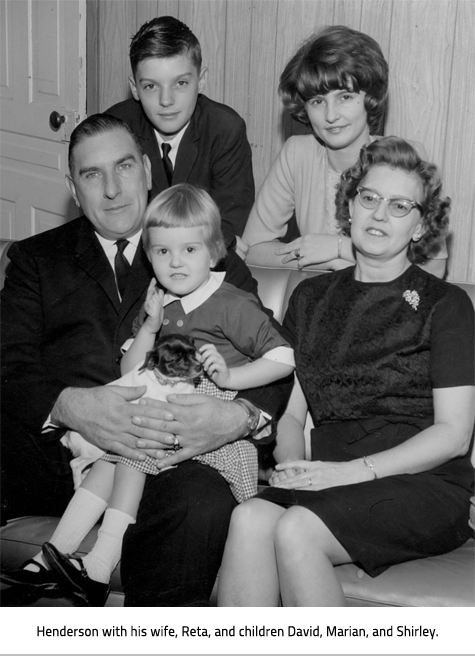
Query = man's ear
x=72 y=188
x=203 y=79
x=148 y=170
x=133 y=88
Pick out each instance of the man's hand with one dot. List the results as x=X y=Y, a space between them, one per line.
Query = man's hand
x=201 y=423
x=104 y=417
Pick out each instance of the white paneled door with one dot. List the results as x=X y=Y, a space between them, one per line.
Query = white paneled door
x=42 y=98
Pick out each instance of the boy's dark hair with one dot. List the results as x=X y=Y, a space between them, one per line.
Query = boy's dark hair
x=398 y=154
x=337 y=57
x=96 y=125
x=164 y=36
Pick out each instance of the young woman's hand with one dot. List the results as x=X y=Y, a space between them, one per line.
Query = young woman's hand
x=328 y=251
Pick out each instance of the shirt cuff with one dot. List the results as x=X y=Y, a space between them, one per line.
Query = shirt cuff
x=48 y=425
x=281 y=355
x=264 y=427
x=127 y=344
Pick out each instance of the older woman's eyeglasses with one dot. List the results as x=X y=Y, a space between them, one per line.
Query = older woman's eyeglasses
x=398 y=206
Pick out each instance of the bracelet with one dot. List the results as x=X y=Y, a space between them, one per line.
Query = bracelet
x=340 y=241
x=369 y=463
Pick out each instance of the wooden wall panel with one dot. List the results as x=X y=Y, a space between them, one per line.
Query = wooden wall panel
x=376 y=20
x=459 y=155
x=263 y=97
x=347 y=12
x=207 y=19
x=148 y=9
x=296 y=22
x=116 y=23
x=237 y=63
x=246 y=43
x=420 y=67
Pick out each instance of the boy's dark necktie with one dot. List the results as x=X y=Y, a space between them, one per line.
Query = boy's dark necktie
x=121 y=266
x=167 y=164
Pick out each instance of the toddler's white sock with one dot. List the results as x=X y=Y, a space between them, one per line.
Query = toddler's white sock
x=102 y=560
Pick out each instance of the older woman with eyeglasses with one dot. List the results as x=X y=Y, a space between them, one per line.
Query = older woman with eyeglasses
x=384 y=355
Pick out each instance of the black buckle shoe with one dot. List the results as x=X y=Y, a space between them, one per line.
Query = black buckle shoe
x=92 y=592
x=44 y=578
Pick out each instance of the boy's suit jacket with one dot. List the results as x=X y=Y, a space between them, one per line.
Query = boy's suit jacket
x=63 y=324
x=214 y=153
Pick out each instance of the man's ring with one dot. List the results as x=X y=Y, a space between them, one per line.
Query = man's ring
x=176 y=445
x=297 y=254
x=309 y=481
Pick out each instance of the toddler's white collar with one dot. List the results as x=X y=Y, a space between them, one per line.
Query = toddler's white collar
x=192 y=301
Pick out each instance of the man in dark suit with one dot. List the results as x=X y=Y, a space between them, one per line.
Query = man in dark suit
x=67 y=308
x=205 y=141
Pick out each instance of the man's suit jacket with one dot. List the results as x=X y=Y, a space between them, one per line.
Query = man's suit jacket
x=214 y=153
x=63 y=323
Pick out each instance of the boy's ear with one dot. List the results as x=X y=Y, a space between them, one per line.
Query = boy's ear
x=133 y=88
x=203 y=79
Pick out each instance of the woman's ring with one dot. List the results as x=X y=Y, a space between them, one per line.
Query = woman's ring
x=176 y=445
x=297 y=254
x=309 y=481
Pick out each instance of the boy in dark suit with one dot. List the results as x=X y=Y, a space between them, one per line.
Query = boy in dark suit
x=187 y=136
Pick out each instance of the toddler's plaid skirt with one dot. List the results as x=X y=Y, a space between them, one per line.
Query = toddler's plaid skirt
x=237 y=461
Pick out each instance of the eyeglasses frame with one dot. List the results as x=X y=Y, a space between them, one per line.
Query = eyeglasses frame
x=414 y=205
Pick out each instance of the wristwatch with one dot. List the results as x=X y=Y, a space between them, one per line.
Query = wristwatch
x=252 y=417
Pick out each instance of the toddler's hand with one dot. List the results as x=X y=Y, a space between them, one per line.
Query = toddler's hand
x=154 y=306
x=215 y=365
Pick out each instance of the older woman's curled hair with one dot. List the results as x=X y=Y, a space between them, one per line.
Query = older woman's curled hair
x=399 y=155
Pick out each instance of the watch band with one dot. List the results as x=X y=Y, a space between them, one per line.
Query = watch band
x=252 y=418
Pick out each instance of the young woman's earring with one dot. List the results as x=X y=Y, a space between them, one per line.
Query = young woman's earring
x=350 y=219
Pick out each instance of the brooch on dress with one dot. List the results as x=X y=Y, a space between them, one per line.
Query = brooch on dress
x=412 y=297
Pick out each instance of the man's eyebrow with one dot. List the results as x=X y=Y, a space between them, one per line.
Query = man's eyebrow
x=127 y=157
x=93 y=168
x=82 y=171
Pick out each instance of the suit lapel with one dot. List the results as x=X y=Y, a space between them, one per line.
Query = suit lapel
x=92 y=259
x=138 y=280
x=149 y=143
x=188 y=149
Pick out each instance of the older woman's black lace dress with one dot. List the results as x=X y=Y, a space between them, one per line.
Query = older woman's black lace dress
x=368 y=356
